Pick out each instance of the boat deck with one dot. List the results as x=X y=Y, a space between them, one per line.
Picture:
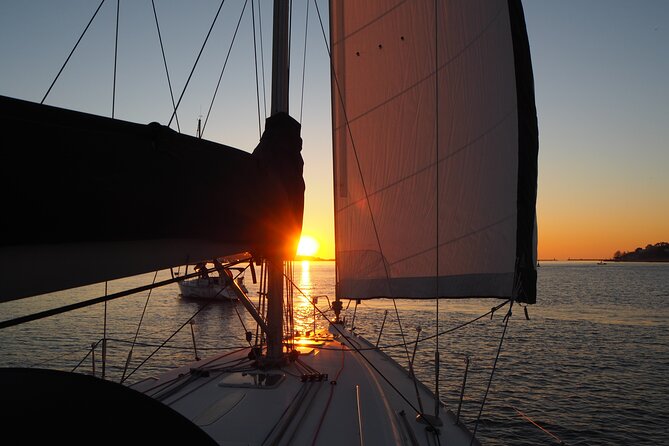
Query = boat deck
x=329 y=395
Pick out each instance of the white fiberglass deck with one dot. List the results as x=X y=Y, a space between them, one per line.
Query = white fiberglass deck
x=299 y=405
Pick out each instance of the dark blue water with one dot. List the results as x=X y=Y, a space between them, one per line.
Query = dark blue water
x=589 y=367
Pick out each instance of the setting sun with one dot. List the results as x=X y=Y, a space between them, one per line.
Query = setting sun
x=308 y=246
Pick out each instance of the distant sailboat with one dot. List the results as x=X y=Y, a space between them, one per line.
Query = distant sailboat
x=435 y=154
x=218 y=286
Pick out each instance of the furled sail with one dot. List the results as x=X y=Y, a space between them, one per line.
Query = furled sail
x=88 y=198
x=435 y=149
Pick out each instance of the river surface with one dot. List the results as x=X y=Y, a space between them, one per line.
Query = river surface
x=589 y=367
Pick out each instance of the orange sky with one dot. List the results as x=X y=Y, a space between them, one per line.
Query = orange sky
x=593 y=235
x=568 y=228
x=587 y=240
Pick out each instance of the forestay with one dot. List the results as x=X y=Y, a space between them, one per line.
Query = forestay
x=435 y=149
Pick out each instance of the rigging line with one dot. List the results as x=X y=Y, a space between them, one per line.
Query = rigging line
x=304 y=58
x=139 y=325
x=292 y=306
x=305 y=412
x=355 y=152
x=118 y=9
x=242 y=322
x=333 y=383
x=164 y=386
x=160 y=333
x=262 y=302
x=62 y=355
x=336 y=225
x=359 y=351
x=97 y=300
x=278 y=430
x=262 y=61
x=259 y=306
x=427 y=338
x=301 y=368
x=492 y=372
x=406 y=344
x=176 y=386
x=413 y=374
x=227 y=56
x=307 y=367
x=286 y=305
x=522 y=415
x=289 y=301
x=104 y=337
x=464 y=324
x=399 y=322
x=255 y=61
x=176 y=347
x=196 y=61
x=90 y=350
x=168 y=339
x=71 y=52
x=242 y=363
x=167 y=72
x=290 y=28
x=436 y=276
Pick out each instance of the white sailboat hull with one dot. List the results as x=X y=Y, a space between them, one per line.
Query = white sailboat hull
x=209 y=288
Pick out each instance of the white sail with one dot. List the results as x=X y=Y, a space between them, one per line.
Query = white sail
x=435 y=185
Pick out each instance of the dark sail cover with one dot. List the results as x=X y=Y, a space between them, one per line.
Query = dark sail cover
x=89 y=198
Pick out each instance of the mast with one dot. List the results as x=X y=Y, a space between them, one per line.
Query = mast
x=280 y=76
x=280 y=57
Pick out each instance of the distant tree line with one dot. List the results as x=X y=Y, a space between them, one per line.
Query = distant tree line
x=659 y=252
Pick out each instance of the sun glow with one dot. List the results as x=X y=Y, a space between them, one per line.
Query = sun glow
x=308 y=246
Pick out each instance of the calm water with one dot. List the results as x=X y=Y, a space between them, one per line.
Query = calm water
x=589 y=366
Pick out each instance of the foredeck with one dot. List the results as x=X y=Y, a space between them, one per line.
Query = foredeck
x=329 y=395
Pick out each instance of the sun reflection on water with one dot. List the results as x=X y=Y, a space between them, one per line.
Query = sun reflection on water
x=305 y=278
x=303 y=309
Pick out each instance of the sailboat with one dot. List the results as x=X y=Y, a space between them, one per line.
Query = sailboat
x=213 y=287
x=435 y=168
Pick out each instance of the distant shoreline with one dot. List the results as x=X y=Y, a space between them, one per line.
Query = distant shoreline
x=589 y=260
x=604 y=260
x=659 y=252
x=311 y=259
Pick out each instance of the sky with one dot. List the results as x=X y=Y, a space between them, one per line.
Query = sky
x=602 y=91
x=601 y=71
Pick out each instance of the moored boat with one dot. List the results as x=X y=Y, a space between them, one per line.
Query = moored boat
x=217 y=286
